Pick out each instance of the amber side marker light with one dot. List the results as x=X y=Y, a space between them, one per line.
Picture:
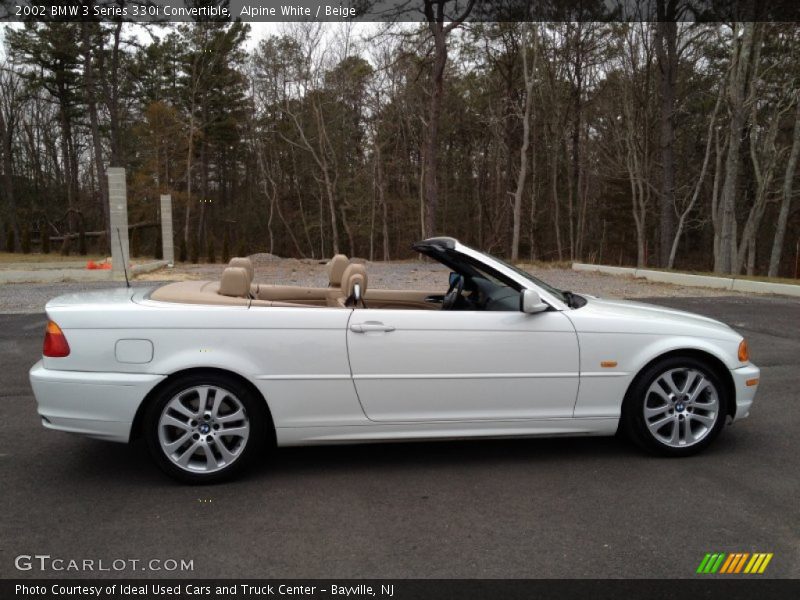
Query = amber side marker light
x=744 y=351
x=751 y=382
x=608 y=364
x=55 y=343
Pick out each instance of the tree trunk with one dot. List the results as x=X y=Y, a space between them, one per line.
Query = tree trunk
x=523 y=154
x=556 y=203
x=698 y=185
x=97 y=144
x=666 y=50
x=6 y=136
x=440 y=32
x=741 y=58
x=786 y=196
x=432 y=141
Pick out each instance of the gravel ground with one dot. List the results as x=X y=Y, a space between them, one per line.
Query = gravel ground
x=31 y=297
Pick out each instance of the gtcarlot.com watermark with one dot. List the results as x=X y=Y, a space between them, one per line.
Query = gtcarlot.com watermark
x=48 y=563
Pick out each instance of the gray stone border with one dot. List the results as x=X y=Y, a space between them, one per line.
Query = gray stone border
x=708 y=281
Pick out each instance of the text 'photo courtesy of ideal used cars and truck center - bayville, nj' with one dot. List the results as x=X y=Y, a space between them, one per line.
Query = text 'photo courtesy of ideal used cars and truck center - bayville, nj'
x=399 y=299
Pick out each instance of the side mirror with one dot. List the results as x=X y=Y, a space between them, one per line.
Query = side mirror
x=453 y=279
x=530 y=302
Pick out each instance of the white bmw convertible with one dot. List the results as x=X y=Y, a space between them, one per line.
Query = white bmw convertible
x=208 y=373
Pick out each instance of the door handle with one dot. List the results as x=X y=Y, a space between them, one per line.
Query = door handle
x=370 y=326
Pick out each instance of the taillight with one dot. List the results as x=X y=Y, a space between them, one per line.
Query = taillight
x=55 y=344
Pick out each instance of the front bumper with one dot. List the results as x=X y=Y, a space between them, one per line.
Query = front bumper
x=744 y=393
x=99 y=405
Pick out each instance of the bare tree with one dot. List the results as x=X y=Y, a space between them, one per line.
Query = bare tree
x=786 y=194
x=689 y=206
x=435 y=15
x=745 y=49
x=667 y=53
x=528 y=74
x=10 y=106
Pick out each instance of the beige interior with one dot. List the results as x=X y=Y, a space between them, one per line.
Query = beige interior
x=335 y=269
x=236 y=287
x=244 y=263
x=235 y=283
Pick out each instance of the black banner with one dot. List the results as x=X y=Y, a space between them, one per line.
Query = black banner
x=399 y=10
x=734 y=588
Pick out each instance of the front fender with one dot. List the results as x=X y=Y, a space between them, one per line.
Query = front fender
x=602 y=388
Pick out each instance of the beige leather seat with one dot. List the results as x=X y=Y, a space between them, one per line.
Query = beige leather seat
x=235 y=282
x=354 y=275
x=335 y=268
x=245 y=263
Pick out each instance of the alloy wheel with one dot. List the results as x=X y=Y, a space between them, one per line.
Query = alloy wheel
x=203 y=429
x=681 y=407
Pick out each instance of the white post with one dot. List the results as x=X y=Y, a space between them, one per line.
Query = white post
x=118 y=203
x=167 y=243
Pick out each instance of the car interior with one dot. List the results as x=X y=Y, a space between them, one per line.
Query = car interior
x=347 y=288
x=471 y=286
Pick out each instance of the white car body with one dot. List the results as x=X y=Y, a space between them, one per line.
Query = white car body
x=423 y=375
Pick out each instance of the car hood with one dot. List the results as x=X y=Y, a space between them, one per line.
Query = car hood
x=625 y=316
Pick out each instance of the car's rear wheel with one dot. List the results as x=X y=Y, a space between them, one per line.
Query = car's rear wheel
x=203 y=428
x=676 y=407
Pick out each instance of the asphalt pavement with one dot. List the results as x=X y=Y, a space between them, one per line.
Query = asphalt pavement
x=591 y=507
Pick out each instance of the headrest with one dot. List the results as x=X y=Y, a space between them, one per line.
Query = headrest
x=235 y=282
x=244 y=263
x=335 y=268
x=354 y=274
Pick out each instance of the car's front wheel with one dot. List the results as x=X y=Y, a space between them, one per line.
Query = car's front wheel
x=676 y=407
x=204 y=428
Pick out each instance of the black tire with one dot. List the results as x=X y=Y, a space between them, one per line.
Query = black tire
x=256 y=416
x=633 y=423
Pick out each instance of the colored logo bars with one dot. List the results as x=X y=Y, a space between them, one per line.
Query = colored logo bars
x=736 y=562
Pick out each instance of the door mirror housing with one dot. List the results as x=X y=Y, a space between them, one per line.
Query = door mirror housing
x=530 y=302
x=453 y=279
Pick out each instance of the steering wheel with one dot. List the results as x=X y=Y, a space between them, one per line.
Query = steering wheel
x=453 y=293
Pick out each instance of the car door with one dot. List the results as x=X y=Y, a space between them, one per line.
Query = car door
x=418 y=365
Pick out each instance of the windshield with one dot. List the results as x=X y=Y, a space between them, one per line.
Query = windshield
x=547 y=287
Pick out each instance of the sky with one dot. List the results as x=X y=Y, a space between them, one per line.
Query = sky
x=258 y=31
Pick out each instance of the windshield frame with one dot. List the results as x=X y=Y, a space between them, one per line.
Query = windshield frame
x=440 y=249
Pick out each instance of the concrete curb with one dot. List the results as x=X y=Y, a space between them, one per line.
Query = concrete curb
x=687 y=279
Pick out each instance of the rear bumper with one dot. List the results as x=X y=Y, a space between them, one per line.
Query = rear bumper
x=99 y=405
x=744 y=393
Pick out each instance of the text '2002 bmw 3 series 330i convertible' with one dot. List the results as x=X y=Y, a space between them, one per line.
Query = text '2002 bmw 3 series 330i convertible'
x=210 y=373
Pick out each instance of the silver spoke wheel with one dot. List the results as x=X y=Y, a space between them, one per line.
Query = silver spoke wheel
x=203 y=429
x=681 y=407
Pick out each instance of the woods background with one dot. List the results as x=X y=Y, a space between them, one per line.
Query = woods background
x=665 y=144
